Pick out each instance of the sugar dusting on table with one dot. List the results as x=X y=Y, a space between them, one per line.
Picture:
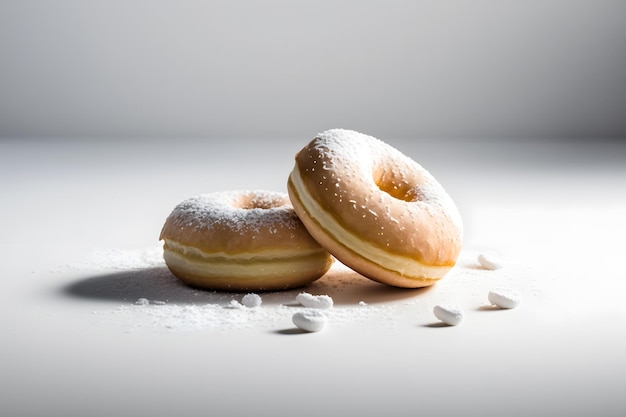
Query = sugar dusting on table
x=150 y=297
x=200 y=317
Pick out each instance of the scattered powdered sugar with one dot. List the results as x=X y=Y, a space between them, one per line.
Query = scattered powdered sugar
x=117 y=259
x=232 y=316
x=149 y=297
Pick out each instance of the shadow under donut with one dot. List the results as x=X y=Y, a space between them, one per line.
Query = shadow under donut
x=154 y=284
x=158 y=284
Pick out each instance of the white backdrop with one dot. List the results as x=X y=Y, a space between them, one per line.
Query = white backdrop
x=148 y=68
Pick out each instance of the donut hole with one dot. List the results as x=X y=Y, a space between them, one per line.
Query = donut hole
x=260 y=201
x=400 y=189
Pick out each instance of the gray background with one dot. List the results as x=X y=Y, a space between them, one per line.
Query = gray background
x=282 y=69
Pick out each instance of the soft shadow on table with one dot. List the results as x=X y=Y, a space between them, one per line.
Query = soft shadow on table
x=157 y=284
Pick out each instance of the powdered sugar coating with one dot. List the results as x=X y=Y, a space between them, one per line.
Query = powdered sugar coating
x=241 y=241
x=236 y=222
x=359 y=179
x=224 y=210
x=353 y=154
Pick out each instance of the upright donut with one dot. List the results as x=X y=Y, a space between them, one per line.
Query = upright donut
x=241 y=241
x=375 y=209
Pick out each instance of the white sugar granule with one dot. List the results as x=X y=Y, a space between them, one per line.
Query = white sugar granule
x=251 y=300
x=449 y=314
x=235 y=304
x=142 y=302
x=490 y=261
x=506 y=298
x=310 y=320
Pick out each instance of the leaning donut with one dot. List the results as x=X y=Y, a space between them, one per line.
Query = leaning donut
x=375 y=209
x=241 y=241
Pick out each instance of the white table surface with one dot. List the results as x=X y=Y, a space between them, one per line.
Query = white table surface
x=76 y=214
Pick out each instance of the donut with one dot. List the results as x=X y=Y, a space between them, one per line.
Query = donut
x=375 y=209
x=241 y=241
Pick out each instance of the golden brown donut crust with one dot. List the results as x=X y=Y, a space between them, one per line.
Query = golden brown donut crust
x=384 y=199
x=241 y=240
